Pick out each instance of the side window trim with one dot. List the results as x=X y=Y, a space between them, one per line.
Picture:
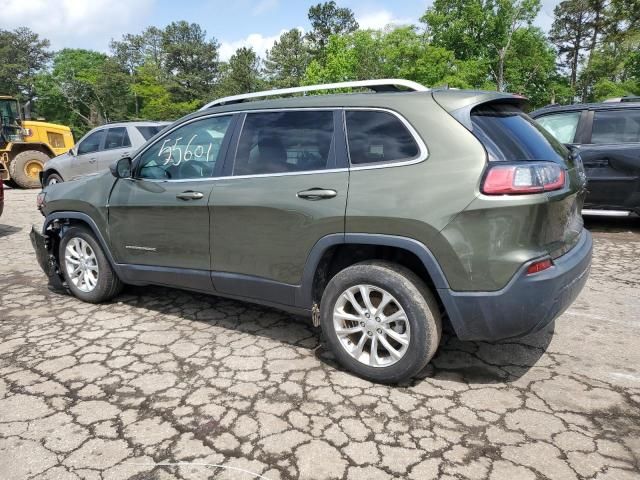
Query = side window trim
x=423 y=152
x=224 y=148
x=333 y=164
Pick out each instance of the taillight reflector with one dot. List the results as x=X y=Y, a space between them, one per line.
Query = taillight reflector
x=539 y=266
x=523 y=178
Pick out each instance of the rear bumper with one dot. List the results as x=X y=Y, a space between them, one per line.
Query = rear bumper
x=527 y=304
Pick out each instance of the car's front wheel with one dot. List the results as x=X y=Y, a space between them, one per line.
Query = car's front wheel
x=53 y=178
x=85 y=267
x=381 y=321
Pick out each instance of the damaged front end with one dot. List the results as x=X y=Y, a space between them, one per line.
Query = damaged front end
x=45 y=245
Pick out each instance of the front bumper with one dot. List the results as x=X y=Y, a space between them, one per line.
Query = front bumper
x=43 y=246
x=527 y=304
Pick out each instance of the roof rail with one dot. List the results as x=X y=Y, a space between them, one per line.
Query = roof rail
x=381 y=85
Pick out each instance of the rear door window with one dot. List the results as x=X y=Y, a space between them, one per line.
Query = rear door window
x=508 y=134
x=562 y=126
x=117 y=138
x=281 y=142
x=616 y=126
x=376 y=136
x=148 y=131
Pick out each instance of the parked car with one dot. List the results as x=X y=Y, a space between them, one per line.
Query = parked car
x=98 y=149
x=607 y=138
x=376 y=214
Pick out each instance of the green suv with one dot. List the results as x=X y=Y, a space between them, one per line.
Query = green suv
x=377 y=214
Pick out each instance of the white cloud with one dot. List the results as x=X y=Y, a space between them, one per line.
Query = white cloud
x=380 y=19
x=76 y=23
x=264 y=6
x=257 y=41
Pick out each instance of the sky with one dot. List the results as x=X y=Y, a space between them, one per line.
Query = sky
x=91 y=24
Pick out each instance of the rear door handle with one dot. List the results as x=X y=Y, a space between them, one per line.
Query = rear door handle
x=190 y=195
x=317 y=194
x=92 y=160
x=125 y=154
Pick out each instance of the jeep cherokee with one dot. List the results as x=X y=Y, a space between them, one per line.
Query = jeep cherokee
x=377 y=214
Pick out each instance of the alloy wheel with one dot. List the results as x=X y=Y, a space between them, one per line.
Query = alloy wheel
x=81 y=264
x=371 y=325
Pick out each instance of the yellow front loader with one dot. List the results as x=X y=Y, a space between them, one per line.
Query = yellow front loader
x=26 y=145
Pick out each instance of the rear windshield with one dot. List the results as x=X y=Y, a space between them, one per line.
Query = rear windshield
x=149 y=131
x=509 y=134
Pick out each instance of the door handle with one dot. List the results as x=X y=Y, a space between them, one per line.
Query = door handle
x=125 y=154
x=317 y=194
x=92 y=160
x=190 y=195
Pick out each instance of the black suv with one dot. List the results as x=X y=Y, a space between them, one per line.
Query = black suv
x=607 y=137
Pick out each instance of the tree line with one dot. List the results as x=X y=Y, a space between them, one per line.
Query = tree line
x=591 y=52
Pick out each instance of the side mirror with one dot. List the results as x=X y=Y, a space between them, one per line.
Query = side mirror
x=121 y=168
x=73 y=152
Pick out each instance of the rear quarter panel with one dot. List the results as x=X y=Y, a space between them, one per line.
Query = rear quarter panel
x=418 y=200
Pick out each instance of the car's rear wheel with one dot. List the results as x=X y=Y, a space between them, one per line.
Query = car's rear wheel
x=381 y=321
x=85 y=268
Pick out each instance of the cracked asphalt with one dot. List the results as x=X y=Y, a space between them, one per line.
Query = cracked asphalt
x=165 y=384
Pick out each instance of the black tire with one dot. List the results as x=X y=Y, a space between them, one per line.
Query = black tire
x=53 y=178
x=23 y=166
x=108 y=284
x=419 y=304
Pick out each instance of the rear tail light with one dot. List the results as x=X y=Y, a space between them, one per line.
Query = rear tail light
x=539 y=266
x=522 y=178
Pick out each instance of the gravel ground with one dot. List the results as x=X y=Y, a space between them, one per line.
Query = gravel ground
x=164 y=384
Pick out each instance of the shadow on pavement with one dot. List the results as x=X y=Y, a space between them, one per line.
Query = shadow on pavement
x=613 y=224
x=7 y=230
x=457 y=361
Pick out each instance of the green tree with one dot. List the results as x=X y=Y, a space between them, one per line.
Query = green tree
x=328 y=19
x=398 y=52
x=570 y=32
x=479 y=29
x=287 y=60
x=22 y=55
x=190 y=59
x=92 y=87
x=241 y=74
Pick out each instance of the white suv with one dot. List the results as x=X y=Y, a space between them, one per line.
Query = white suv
x=98 y=149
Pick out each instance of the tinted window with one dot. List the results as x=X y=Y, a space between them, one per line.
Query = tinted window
x=190 y=151
x=276 y=142
x=149 y=131
x=117 y=138
x=91 y=143
x=378 y=137
x=510 y=135
x=563 y=126
x=616 y=126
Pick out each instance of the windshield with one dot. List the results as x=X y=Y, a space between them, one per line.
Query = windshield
x=509 y=134
x=9 y=111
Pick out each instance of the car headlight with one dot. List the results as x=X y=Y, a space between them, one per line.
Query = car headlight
x=41 y=200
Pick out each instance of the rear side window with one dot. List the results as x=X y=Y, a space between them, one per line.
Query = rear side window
x=117 y=138
x=562 y=126
x=149 y=131
x=280 y=142
x=616 y=126
x=509 y=134
x=376 y=136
